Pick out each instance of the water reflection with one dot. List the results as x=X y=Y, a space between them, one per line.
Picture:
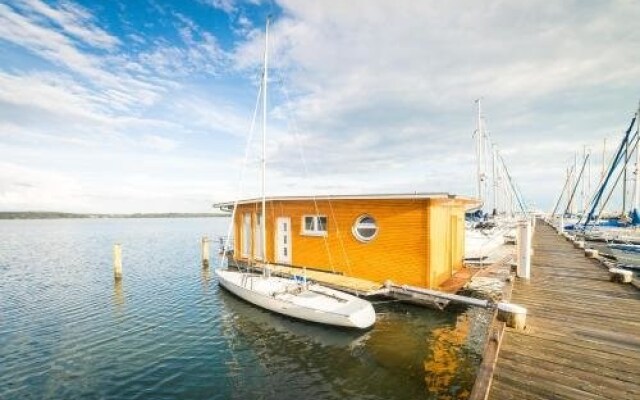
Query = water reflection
x=448 y=372
x=410 y=353
x=118 y=294
x=249 y=317
x=205 y=277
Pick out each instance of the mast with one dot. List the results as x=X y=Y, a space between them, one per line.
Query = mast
x=583 y=193
x=494 y=172
x=265 y=77
x=624 y=176
x=636 y=194
x=588 y=194
x=604 y=158
x=574 y=202
x=479 y=151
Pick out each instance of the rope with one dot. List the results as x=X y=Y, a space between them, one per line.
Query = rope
x=344 y=250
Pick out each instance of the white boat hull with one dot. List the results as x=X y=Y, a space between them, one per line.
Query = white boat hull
x=480 y=245
x=315 y=303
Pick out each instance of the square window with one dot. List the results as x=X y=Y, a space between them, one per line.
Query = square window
x=321 y=224
x=309 y=224
x=314 y=225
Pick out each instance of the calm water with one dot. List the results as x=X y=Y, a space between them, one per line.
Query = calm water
x=169 y=332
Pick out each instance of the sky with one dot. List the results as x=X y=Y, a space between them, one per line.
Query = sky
x=147 y=106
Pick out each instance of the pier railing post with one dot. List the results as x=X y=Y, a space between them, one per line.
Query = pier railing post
x=513 y=315
x=117 y=261
x=561 y=225
x=533 y=224
x=204 y=251
x=524 y=249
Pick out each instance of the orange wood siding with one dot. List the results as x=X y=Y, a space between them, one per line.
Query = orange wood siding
x=446 y=240
x=407 y=243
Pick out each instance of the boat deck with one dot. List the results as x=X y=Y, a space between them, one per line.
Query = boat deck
x=363 y=287
x=358 y=286
x=582 y=339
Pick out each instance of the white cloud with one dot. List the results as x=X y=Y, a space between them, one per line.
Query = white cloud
x=381 y=95
x=27 y=188
x=392 y=84
x=74 y=20
x=159 y=143
x=224 y=5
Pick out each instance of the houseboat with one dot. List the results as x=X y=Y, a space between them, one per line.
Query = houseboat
x=411 y=239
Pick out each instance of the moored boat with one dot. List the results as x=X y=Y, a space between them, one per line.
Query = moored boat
x=301 y=300
x=294 y=298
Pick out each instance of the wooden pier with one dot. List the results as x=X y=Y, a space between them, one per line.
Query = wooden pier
x=582 y=339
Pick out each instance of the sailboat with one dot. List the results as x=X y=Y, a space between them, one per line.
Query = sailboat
x=484 y=237
x=297 y=298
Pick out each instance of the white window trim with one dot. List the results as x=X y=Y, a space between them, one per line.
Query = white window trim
x=354 y=229
x=314 y=232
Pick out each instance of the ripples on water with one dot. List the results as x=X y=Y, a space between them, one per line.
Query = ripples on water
x=168 y=331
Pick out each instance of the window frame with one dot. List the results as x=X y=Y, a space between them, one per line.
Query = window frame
x=315 y=231
x=355 y=226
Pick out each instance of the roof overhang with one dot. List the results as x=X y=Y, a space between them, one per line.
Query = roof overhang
x=470 y=202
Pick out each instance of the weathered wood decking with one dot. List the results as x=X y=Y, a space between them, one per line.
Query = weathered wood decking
x=583 y=332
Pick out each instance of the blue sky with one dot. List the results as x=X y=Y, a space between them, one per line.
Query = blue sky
x=145 y=106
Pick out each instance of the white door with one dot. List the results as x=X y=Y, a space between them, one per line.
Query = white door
x=246 y=235
x=283 y=240
x=257 y=237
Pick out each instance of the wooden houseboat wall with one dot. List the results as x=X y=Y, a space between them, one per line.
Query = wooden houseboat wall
x=419 y=241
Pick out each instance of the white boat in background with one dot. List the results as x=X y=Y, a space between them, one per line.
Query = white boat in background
x=479 y=244
x=298 y=299
x=487 y=233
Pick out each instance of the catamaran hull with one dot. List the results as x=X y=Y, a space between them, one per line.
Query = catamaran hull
x=361 y=319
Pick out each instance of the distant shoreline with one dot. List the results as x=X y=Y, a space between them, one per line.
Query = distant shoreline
x=62 y=215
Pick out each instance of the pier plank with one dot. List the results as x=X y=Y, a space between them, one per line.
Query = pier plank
x=582 y=339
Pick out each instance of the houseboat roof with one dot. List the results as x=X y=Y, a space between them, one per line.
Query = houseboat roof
x=389 y=196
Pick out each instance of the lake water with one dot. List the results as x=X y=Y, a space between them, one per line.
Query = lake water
x=167 y=331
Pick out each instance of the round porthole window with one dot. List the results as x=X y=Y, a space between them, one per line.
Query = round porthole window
x=365 y=228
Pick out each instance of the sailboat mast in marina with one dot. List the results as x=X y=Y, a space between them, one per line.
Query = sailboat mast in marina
x=298 y=299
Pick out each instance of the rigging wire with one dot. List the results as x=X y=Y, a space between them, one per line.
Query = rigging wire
x=242 y=173
x=294 y=127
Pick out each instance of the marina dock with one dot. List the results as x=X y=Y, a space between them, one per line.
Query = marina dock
x=582 y=339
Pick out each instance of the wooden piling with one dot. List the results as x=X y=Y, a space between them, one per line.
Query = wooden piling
x=591 y=253
x=620 y=275
x=523 y=249
x=117 y=261
x=561 y=225
x=204 y=251
x=513 y=315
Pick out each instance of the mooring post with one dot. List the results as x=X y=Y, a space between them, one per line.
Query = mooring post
x=117 y=261
x=561 y=225
x=513 y=315
x=533 y=224
x=620 y=275
x=204 y=251
x=591 y=253
x=523 y=269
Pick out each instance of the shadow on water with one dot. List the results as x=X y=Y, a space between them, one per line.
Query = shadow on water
x=252 y=317
x=411 y=352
